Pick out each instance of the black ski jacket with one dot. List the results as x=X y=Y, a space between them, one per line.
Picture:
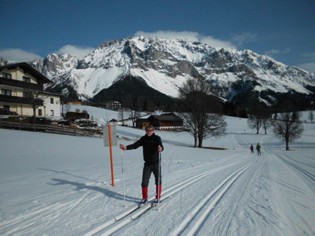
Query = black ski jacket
x=150 y=148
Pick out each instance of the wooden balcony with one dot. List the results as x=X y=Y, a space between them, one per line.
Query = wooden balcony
x=20 y=100
x=20 y=84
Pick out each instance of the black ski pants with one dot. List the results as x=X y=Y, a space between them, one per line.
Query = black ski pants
x=146 y=174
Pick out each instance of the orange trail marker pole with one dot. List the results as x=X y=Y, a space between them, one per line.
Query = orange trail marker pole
x=111 y=153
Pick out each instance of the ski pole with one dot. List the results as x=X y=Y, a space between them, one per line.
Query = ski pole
x=123 y=175
x=159 y=180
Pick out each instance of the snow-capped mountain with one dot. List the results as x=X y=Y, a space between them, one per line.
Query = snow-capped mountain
x=164 y=65
x=55 y=65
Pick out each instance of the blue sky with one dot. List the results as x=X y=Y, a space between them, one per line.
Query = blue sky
x=282 y=29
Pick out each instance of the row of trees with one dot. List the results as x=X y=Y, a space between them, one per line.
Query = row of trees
x=286 y=125
x=203 y=114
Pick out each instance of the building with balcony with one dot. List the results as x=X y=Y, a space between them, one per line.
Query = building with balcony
x=22 y=88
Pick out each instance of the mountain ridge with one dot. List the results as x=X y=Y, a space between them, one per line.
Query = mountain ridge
x=164 y=65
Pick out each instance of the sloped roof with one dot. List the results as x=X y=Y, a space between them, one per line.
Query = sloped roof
x=167 y=117
x=29 y=69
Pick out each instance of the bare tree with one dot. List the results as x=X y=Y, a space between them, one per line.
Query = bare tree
x=311 y=116
x=135 y=104
x=259 y=117
x=35 y=99
x=201 y=111
x=266 y=122
x=211 y=125
x=65 y=108
x=254 y=122
x=134 y=115
x=259 y=121
x=288 y=127
x=123 y=114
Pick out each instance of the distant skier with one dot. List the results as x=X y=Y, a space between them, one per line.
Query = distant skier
x=258 y=147
x=251 y=148
x=152 y=146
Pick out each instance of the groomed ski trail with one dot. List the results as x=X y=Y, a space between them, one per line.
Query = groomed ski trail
x=202 y=210
x=133 y=213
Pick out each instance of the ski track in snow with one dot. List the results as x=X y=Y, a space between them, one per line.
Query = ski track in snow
x=42 y=216
x=204 y=208
x=297 y=167
x=237 y=194
x=196 y=217
x=293 y=196
x=134 y=213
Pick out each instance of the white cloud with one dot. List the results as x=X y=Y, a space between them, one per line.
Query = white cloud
x=187 y=35
x=76 y=51
x=244 y=38
x=18 y=55
x=310 y=67
x=272 y=52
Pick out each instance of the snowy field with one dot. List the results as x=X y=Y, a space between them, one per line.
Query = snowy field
x=61 y=185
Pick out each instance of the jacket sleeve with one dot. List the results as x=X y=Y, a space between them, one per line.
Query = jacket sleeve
x=135 y=145
x=160 y=143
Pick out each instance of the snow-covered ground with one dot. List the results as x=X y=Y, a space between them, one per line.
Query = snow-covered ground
x=61 y=185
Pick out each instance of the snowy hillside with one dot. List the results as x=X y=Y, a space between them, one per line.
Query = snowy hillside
x=60 y=185
x=165 y=64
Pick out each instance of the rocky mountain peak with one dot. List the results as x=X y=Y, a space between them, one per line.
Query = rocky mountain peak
x=164 y=65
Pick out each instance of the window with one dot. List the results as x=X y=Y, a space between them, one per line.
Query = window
x=52 y=112
x=26 y=79
x=6 y=92
x=7 y=75
x=6 y=107
x=51 y=100
x=40 y=112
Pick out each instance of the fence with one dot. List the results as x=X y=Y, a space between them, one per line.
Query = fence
x=47 y=128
